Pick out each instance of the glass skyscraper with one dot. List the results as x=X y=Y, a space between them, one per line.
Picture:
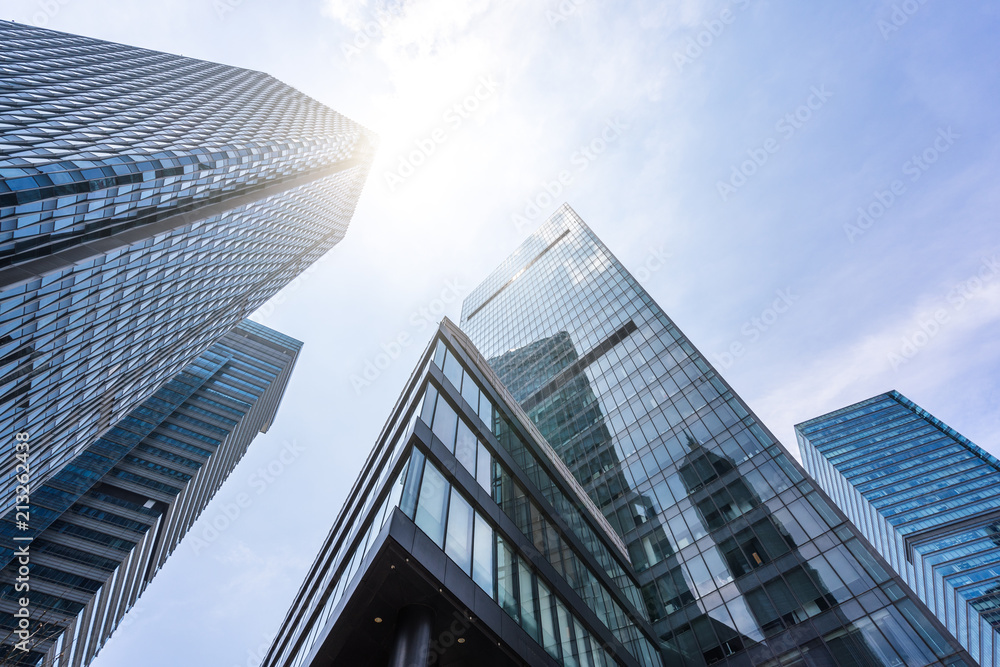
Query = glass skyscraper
x=466 y=541
x=101 y=528
x=927 y=498
x=148 y=204
x=741 y=559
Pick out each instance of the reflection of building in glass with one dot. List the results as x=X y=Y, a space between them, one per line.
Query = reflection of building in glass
x=466 y=541
x=742 y=560
x=103 y=526
x=927 y=498
x=148 y=204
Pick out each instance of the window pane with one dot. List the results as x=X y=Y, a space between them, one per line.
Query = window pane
x=482 y=562
x=465 y=447
x=528 y=620
x=486 y=410
x=408 y=503
x=484 y=467
x=565 y=635
x=470 y=392
x=427 y=411
x=432 y=504
x=550 y=641
x=453 y=369
x=439 y=353
x=445 y=422
x=458 y=545
x=506 y=593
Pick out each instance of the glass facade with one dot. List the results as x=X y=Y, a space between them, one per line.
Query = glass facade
x=741 y=560
x=148 y=204
x=459 y=462
x=102 y=526
x=927 y=498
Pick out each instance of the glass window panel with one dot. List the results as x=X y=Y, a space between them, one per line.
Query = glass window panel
x=550 y=640
x=565 y=634
x=427 y=411
x=458 y=544
x=470 y=392
x=482 y=561
x=528 y=619
x=484 y=467
x=486 y=410
x=439 y=354
x=432 y=504
x=465 y=447
x=445 y=424
x=408 y=502
x=453 y=370
x=506 y=591
x=581 y=643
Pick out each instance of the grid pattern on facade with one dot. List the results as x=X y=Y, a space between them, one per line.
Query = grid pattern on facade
x=741 y=559
x=101 y=137
x=480 y=440
x=107 y=522
x=927 y=498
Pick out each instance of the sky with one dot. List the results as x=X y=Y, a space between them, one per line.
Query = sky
x=809 y=190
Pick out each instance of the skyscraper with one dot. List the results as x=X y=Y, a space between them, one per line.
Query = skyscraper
x=466 y=541
x=148 y=204
x=742 y=560
x=927 y=498
x=99 y=530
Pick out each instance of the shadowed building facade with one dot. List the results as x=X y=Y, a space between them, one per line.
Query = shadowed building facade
x=148 y=204
x=741 y=559
x=102 y=526
x=927 y=498
x=466 y=540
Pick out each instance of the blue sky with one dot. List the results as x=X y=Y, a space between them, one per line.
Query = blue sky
x=722 y=150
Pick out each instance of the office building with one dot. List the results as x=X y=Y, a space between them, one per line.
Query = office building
x=741 y=559
x=148 y=204
x=466 y=541
x=927 y=498
x=100 y=528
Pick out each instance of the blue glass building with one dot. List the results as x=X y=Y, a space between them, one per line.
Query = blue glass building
x=741 y=559
x=927 y=498
x=148 y=204
x=101 y=528
x=465 y=541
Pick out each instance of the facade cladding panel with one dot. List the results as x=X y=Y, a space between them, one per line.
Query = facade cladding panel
x=464 y=509
x=148 y=204
x=742 y=560
x=102 y=527
x=927 y=498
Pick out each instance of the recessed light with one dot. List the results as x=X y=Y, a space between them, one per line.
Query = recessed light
x=461 y=640
x=378 y=619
